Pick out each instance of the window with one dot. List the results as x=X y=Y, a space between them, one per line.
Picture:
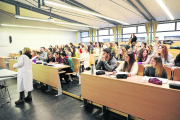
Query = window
x=168 y=35
x=84 y=34
x=178 y=25
x=129 y=30
x=106 y=38
x=87 y=39
x=141 y=29
x=103 y=32
x=166 y=27
x=111 y=32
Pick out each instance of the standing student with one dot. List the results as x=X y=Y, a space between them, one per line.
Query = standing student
x=111 y=47
x=157 y=69
x=143 y=56
x=132 y=39
x=43 y=54
x=167 y=58
x=67 y=61
x=121 y=53
x=129 y=65
x=107 y=62
x=25 y=76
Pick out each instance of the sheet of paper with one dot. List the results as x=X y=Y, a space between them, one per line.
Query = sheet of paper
x=162 y=79
x=58 y=65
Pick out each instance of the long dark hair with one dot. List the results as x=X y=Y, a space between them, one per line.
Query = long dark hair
x=140 y=55
x=131 y=62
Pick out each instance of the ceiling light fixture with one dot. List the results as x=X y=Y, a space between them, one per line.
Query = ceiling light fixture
x=36 y=27
x=83 y=11
x=160 y=2
x=51 y=21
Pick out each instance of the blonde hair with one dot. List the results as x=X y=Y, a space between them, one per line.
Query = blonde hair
x=123 y=54
x=34 y=52
x=26 y=50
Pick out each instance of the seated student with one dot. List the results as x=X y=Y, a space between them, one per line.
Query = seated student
x=58 y=58
x=121 y=53
x=111 y=47
x=151 y=51
x=67 y=61
x=134 y=49
x=167 y=58
x=67 y=51
x=157 y=69
x=107 y=61
x=143 y=56
x=129 y=65
x=85 y=56
x=43 y=54
x=34 y=53
x=20 y=53
x=50 y=58
x=50 y=48
x=143 y=45
x=177 y=60
x=98 y=49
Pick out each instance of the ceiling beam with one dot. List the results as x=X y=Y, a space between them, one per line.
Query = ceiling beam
x=144 y=8
x=17 y=9
x=135 y=7
x=79 y=5
x=35 y=9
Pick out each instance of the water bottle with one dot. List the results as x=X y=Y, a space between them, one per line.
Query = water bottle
x=92 y=69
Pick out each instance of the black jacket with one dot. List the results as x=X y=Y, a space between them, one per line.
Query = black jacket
x=150 y=71
x=134 y=39
x=177 y=60
x=50 y=60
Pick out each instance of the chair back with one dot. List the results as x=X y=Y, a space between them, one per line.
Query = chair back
x=176 y=76
x=76 y=62
x=140 y=70
x=168 y=71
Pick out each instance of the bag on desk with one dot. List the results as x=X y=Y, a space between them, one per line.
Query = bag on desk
x=174 y=85
x=100 y=72
x=155 y=81
x=121 y=76
x=38 y=62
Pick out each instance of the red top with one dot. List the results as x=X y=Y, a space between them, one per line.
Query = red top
x=80 y=50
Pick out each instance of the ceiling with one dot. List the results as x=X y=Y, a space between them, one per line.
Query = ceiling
x=117 y=9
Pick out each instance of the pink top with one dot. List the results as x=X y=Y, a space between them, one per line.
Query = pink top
x=147 y=60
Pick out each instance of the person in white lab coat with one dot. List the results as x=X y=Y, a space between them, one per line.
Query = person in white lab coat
x=25 y=76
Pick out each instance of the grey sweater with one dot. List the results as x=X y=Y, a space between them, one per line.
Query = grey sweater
x=107 y=65
x=43 y=56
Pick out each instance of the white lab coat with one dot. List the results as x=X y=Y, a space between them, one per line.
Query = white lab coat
x=25 y=76
x=85 y=56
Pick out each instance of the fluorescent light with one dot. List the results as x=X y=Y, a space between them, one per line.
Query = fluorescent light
x=84 y=11
x=160 y=2
x=36 y=27
x=57 y=22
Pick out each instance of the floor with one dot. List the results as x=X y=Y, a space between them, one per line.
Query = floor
x=46 y=106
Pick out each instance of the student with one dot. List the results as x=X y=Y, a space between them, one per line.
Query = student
x=50 y=48
x=20 y=53
x=134 y=49
x=132 y=39
x=73 y=51
x=25 y=76
x=151 y=51
x=43 y=54
x=129 y=65
x=111 y=47
x=177 y=60
x=107 y=61
x=157 y=69
x=85 y=56
x=34 y=53
x=58 y=58
x=143 y=45
x=121 y=53
x=67 y=51
x=116 y=45
x=89 y=50
x=62 y=48
x=50 y=58
x=91 y=46
x=98 y=49
x=143 y=56
x=167 y=58
x=67 y=61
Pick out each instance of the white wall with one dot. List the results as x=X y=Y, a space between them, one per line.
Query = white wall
x=27 y=37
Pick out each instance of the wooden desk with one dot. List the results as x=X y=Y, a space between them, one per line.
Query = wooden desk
x=2 y=61
x=144 y=100
x=45 y=74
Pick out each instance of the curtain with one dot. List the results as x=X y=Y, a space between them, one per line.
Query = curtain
x=76 y=36
x=154 y=24
x=114 y=32
x=119 y=32
x=94 y=34
x=147 y=26
x=90 y=34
